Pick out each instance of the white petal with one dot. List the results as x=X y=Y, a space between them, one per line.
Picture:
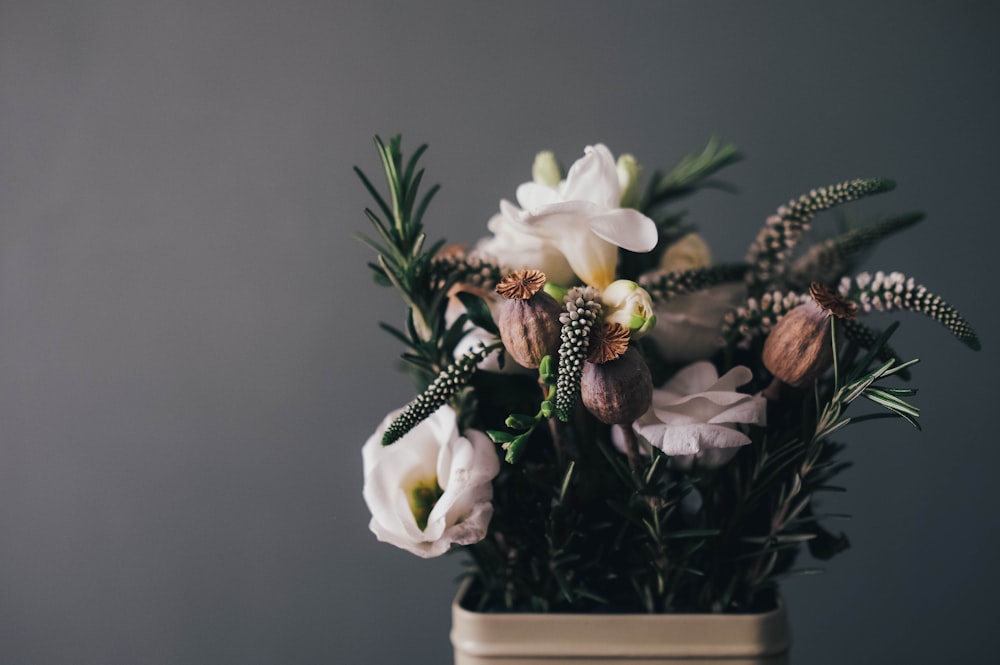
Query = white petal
x=473 y=528
x=594 y=178
x=532 y=195
x=750 y=411
x=625 y=228
x=733 y=379
x=692 y=379
x=689 y=439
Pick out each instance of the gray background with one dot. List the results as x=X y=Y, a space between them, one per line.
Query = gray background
x=189 y=358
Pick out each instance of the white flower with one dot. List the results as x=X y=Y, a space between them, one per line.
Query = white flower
x=574 y=228
x=431 y=488
x=689 y=252
x=697 y=410
x=689 y=327
x=514 y=249
x=630 y=305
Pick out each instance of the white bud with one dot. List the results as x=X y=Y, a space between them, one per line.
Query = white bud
x=545 y=170
x=628 y=177
x=630 y=305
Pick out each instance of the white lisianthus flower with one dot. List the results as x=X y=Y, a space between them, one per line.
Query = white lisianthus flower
x=630 y=305
x=572 y=229
x=697 y=411
x=433 y=487
x=689 y=327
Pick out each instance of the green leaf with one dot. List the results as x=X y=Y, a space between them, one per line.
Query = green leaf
x=478 y=311
x=567 y=479
x=545 y=373
x=374 y=193
x=499 y=436
x=520 y=421
x=397 y=333
x=694 y=533
x=516 y=447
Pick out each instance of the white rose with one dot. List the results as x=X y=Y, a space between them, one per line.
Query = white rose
x=431 y=488
x=688 y=327
x=698 y=411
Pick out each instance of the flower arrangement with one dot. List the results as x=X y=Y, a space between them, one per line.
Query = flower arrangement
x=607 y=421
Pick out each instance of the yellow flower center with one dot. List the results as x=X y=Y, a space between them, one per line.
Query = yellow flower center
x=423 y=496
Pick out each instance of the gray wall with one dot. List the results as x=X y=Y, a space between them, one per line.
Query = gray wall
x=189 y=361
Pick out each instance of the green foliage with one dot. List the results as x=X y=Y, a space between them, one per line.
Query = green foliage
x=406 y=263
x=694 y=172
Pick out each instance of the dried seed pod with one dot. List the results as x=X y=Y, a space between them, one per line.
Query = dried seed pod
x=528 y=318
x=617 y=392
x=798 y=350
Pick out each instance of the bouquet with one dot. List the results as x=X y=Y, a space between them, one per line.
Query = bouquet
x=605 y=420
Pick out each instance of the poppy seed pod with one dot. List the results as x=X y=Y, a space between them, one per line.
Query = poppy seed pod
x=617 y=392
x=528 y=318
x=799 y=349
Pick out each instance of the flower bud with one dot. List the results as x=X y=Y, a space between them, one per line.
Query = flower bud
x=688 y=253
x=617 y=392
x=528 y=318
x=628 y=304
x=545 y=170
x=628 y=178
x=799 y=348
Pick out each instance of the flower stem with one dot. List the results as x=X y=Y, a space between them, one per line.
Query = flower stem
x=631 y=447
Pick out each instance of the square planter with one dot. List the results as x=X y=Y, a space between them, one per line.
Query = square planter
x=606 y=639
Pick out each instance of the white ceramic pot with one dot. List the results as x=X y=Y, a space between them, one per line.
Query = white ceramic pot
x=618 y=639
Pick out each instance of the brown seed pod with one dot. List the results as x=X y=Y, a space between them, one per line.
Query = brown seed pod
x=798 y=350
x=528 y=318
x=619 y=391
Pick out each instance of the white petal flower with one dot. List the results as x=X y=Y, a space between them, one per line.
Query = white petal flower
x=512 y=248
x=697 y=410
x=579 y=220
x=688 y=327
x=433 y=487
x=689 y=252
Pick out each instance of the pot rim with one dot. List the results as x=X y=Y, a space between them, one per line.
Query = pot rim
x=520 y=634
